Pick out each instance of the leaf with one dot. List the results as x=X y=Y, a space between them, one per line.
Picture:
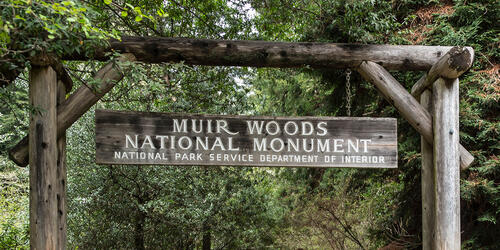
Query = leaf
x=138 y=18
x=20 y=18
x=488 y=217
x=124 y=13
x=108 y=2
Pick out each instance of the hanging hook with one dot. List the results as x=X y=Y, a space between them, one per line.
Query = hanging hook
x=348 y=91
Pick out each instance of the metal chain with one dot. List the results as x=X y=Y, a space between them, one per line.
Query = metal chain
x=348 y=91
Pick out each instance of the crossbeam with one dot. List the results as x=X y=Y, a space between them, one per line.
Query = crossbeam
x=270 y=54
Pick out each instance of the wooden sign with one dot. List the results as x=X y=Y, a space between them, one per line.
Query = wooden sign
x=124 y=137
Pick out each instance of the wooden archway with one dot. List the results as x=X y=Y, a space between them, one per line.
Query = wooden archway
x=435 y=117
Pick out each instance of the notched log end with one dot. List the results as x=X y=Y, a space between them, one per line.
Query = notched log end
x=17 y=155
x=461 y=58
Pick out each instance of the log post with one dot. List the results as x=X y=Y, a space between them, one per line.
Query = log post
x=76 y=105
x=446 y=163
x=428 y=182
x=406 y=104
x=43 y=158
x=60 y=187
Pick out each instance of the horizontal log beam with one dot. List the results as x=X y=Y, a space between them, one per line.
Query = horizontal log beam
x=418 y=117
x=76 y=105
x=270 y=54
x=452 y=65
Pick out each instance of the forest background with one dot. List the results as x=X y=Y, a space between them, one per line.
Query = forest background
x=169 y=207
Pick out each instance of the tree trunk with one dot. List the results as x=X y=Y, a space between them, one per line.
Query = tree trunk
x=206 y=241
x=139 y=231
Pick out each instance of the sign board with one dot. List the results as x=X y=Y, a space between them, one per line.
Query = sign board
x=124 y=137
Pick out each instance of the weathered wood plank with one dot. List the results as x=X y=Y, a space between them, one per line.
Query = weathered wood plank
x=452 y=65
x=76 y=105
x=185 y=139
x=406 y=104
x=43 y=158
x=428 y=183
x=271 y=54
x=60 y=187
x=446 y=163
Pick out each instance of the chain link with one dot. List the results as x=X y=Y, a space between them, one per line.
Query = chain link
x=348 y=91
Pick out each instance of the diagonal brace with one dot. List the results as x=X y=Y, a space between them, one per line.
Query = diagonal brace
x=406 y=104
x=76 y=105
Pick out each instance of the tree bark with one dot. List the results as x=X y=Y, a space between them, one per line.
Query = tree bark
x=207 y=239
x=270 y=54
x=139 y=231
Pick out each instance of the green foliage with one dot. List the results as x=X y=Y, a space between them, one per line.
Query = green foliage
x=14 y=221
x=290 y=92
x=31 y=28
x=13 y=103
x=364 y=21
x=340 y=213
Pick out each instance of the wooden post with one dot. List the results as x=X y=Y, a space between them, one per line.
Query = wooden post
x=43 y=158
x=60 y=186
x=428 y=182
x=446 y=163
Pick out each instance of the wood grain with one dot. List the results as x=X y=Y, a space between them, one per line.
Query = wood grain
x=428 y=183
x=446 y=163
x=406 y=104
x=270 y=54
x=113 y=126
x=43 y=159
